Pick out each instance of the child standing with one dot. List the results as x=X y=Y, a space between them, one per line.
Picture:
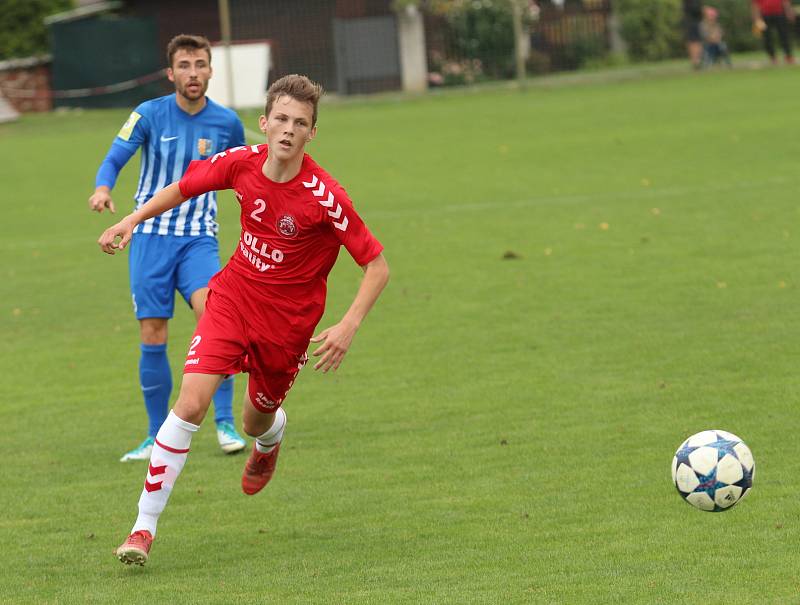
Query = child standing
x=714 y=48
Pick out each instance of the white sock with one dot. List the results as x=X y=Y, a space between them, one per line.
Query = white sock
x=266 y=442
x=166 y=462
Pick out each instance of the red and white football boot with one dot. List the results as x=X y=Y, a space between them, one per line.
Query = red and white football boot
x=136 y=548
x=259 y=470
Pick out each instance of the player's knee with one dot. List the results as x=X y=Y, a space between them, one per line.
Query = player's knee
x=153 y=331
x=256 y=423
x=191 y=407
x=255 y=426
x=250 y=428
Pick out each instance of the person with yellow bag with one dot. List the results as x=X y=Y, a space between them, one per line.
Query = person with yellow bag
x=771 y=17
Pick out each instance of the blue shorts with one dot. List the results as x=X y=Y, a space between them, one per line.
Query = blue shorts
x=160 y=264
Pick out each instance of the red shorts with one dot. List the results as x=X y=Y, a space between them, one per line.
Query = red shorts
x=225 y=343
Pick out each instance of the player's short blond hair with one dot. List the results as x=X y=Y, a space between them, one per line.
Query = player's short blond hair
x=190 y=42
x=300 y=88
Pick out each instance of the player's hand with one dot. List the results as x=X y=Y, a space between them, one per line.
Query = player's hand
x=123 y=230
x=101 y=199
x=335 y=343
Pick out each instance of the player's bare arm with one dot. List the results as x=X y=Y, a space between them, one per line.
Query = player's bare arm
x=337 y=338
x=169 y=197
x=101 y=199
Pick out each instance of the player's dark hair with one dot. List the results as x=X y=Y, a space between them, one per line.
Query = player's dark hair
x=300 y=88
x=187 y=42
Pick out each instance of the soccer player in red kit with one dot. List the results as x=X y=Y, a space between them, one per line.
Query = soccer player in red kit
x=264 y=304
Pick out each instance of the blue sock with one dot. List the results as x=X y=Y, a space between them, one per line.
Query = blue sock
x=156 y=380
x=223 y=401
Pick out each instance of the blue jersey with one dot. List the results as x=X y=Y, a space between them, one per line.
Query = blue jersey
x=170 y=138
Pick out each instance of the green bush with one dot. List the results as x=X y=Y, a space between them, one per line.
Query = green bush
x=482 y=30
x=583 y=50
x=734 y=16
x=538 y=63
x=652 y=29
x=22 y=30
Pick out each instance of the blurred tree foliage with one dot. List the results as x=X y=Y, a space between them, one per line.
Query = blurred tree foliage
x=735 y=18
x=478 y=32
x=653 y=29
x=483 y=30
x=22 y=29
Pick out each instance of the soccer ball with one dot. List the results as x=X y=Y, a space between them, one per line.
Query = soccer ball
x=713 y=470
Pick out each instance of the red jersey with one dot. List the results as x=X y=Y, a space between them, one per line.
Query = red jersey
x=769 y=8
x=291 y=233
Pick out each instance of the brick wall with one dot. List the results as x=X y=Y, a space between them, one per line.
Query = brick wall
x=25 y=83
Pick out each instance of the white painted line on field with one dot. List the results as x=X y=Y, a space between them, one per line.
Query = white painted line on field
x=649 y=193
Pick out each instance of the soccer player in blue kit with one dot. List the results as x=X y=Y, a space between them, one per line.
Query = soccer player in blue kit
x=177 y=250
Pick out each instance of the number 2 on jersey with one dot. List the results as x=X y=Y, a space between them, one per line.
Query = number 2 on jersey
x=195 y=341
x=261 y=205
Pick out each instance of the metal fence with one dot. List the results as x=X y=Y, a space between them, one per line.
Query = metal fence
x=568 y=38
x=470 y=41
x=349 y=46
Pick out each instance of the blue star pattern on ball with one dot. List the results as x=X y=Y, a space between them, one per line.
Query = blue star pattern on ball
x=713 y=470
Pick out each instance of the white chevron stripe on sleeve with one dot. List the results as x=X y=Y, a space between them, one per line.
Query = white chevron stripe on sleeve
x=327 y=202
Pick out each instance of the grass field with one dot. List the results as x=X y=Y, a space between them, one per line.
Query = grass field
x=502 y=429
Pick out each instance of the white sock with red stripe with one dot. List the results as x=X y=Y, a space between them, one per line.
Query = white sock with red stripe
x=166 y=462
x=266 y=442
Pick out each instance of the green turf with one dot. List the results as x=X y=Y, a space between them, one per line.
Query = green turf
x=502 y=429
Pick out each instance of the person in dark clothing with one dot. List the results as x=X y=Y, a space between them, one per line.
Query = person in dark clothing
x=771 y=17
x=692 y=16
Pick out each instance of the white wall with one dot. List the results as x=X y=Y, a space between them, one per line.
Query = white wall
x=411 y=38
x=251 y=64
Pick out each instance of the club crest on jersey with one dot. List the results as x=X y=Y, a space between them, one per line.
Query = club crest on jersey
x=127 y=128
x=287 y=226
x=205 y=146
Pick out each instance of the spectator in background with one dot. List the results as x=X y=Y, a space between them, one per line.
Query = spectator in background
x=714 y=48
x=770 y=17
x=692 y=16
x=176 y=250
